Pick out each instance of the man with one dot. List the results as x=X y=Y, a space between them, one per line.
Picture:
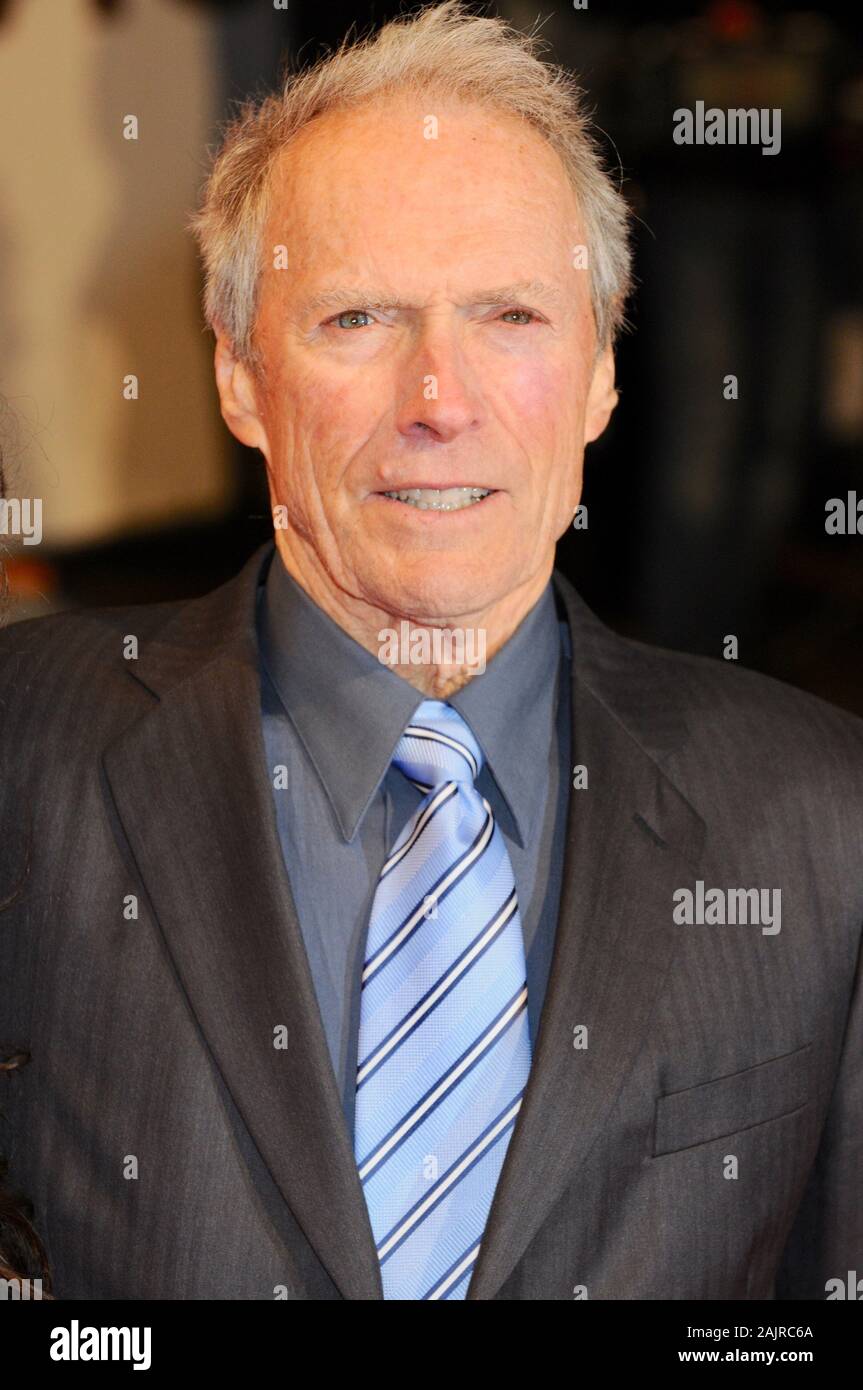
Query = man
x=522 y=964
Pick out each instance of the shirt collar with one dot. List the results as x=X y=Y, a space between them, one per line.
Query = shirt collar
x=349 y=710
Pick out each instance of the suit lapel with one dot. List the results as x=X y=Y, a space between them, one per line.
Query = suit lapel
x=194 y=798
x=628 y=835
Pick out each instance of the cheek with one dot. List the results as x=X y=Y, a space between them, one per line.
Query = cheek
x=320 y=424
x=542 y=404
x=545 y=404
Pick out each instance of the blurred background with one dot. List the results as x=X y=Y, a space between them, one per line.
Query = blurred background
x=706 y=514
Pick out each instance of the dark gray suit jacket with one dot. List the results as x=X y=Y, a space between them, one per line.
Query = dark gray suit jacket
x=707 y=1142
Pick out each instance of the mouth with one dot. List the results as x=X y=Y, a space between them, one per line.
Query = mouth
x=438 y=499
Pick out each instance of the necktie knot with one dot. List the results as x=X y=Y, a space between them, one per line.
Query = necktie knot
x=437 y=746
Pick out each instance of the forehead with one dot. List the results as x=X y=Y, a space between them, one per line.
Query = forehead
x=420 y=177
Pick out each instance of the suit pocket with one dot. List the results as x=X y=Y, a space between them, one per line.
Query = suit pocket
x=732 y=1103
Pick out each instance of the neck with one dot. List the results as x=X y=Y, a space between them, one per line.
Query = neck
x=437 y=657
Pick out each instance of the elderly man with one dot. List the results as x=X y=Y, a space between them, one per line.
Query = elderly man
x=382 y=925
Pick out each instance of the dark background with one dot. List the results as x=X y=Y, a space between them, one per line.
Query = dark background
x=706 y=516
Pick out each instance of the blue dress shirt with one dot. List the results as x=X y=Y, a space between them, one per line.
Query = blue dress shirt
x=332 y=716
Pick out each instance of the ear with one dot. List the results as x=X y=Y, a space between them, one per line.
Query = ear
x=238 y=396
x=601 y=397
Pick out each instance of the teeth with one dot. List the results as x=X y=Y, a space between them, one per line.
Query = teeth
x=435 y=499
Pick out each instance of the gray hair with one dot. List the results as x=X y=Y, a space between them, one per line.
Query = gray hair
x=442 y=47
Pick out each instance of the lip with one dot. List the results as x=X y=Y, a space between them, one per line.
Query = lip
x=437 y=487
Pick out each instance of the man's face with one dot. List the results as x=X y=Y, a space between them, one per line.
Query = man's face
x=455 y=348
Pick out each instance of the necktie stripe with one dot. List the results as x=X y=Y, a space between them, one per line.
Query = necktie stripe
x=432 y=736
x=447 y=792
x=444 y=885
x=439 y=990
x=441 y=1069
x=472 y=1155
x=453 y=1275
x=461 y=1068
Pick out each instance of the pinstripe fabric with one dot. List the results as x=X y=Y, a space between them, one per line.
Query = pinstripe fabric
x=444 y=1052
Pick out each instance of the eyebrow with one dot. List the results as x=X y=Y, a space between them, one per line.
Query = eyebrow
x=368 y=298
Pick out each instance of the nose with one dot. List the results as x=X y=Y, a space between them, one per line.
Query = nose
x=440 y=397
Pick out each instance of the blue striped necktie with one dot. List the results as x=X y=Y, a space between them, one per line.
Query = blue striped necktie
x=444 y=1050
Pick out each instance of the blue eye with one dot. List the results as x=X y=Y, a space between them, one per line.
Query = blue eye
x=527 y=313
x=349 y=313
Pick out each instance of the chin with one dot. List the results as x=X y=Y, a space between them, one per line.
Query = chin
x=441 y=589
